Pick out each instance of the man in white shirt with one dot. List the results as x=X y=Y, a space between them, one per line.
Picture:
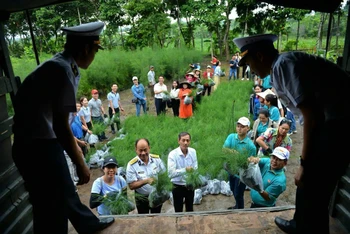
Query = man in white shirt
x=181 y=160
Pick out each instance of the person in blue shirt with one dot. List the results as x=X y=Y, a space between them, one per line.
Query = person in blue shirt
x=241 y=143
x=110 y=184
x=138 y=90
x=271 y=102
x=77 y=128
x=273 y=176
x=266 y=82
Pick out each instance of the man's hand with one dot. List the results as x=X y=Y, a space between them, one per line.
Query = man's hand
x=254 y=160
x=189 y=169
x=150 y=180
x=83 y=174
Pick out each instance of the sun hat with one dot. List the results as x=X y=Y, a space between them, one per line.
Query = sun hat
x=249 y=44
x=185 y=82
x=266 y=92
x=281 y=153
x=109 y=160
x=244 y=121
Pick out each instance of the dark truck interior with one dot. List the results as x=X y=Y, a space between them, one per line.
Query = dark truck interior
x=15 y=209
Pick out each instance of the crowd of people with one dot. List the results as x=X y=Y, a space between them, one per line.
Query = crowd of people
x=55 y=126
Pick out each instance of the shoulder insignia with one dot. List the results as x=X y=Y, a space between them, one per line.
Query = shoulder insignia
x=154 y=155
x=132 y=161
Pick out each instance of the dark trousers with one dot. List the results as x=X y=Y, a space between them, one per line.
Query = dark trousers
x=117 y=115
x=175 y=106
x=160 y=106
x=206 y=89
x=52 y=207
x=99 y=119
x=327 y=155
x=180 y=192
x=142 y=205
x=238 y=188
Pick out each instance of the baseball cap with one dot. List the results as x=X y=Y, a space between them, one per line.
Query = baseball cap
x=208 y=66
x=94 y=91
x=109 y=160
x=244 y=121
x=134 y=78
x=281 y=153
x=151 y=66
x=249 y=44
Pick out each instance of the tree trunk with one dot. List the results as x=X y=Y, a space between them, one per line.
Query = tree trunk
x=337 y=33
x=298 y=34
x=227 y=32
x=320 y=32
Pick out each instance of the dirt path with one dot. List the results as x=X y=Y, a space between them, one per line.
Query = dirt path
x=209 y=202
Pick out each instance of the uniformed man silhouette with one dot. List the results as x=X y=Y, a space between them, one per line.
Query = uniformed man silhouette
x=41 y=129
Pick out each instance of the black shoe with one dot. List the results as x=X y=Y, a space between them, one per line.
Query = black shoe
x=232 y=208
x=104 y=223
x=285 y=225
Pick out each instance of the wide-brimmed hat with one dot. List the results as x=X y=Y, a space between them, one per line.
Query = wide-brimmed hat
x=185 y=82
x=251 y=43
x=192 y=74
x=266 y=92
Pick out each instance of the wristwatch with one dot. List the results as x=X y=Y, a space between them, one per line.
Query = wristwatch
x=261 y=192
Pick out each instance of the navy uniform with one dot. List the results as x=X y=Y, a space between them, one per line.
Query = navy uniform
x=41 y=129
x=138 y=170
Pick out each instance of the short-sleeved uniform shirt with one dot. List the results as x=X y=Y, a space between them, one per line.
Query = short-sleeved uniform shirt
x=86 y=113
x=115 y=98
x=298 y=76
x=50 y=88
x=138 y=170
x=274 y=182
x=100 y=187
x=95 y=107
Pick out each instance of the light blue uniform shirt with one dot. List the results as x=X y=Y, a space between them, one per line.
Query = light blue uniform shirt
x=274 y=184
x=115 y=98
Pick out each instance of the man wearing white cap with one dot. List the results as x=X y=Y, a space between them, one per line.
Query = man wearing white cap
x=46 y=133
x=274 y=179
x=138 y=90
x=241 y=143
x=300 y=81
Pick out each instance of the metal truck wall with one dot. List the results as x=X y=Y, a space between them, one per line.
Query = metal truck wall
x=15 y=209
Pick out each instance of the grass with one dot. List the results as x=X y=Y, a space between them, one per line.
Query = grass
x=213 y=120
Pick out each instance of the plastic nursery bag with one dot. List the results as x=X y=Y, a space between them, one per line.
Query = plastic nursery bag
x=252 y=177
x=157 y=198
x=187 y=100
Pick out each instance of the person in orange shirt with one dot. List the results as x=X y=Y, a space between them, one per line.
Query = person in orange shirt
x=186 y=99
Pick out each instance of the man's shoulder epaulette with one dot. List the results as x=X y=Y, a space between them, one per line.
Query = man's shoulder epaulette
x=154 y=155
x=132 y=161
